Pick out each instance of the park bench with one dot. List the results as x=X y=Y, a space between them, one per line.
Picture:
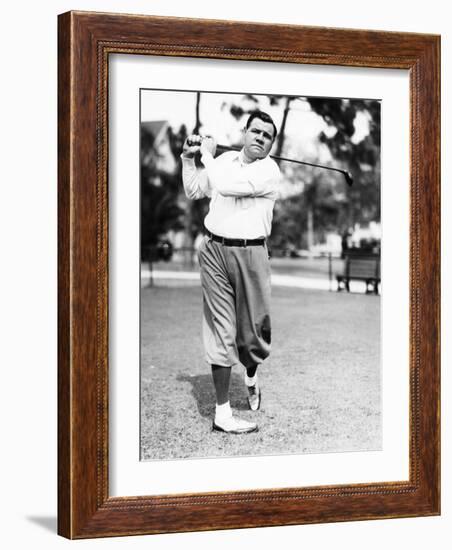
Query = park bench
x=360 y=267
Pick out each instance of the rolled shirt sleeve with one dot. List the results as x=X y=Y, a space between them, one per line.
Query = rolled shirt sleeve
x=258 y=179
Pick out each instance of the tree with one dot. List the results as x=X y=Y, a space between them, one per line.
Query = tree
x=282 y=131
x=160 y=210
x=361 y=158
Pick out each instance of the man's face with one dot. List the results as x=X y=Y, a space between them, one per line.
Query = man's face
x=258 y=139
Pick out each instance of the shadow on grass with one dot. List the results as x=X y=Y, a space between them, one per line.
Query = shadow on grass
x=204 y=393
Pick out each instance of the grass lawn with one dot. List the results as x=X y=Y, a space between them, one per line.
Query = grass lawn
x=321 y=385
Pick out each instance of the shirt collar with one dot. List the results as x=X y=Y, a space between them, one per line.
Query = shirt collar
x=240 y=157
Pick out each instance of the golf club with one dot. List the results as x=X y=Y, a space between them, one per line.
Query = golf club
x=348 y=177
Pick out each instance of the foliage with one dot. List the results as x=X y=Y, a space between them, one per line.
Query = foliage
x=290 y=217
x=362 y=159
x=160 y=210
x=321 y=201
x=333 y=204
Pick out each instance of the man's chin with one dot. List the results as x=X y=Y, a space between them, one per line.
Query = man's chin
x=256 y=154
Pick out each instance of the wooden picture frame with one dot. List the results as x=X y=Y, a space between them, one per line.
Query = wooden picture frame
x=85 y=42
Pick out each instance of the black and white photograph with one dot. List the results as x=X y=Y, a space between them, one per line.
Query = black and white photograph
x=260 y=246
x=223 y=251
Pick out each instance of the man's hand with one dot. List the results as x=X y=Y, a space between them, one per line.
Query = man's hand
x=191 y=146
x=208 y=144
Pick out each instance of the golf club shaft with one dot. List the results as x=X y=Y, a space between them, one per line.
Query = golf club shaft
x=347 y=175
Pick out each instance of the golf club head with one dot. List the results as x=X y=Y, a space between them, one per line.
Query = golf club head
x=348 y=178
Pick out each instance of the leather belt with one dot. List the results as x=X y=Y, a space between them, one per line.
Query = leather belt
x=235 y=242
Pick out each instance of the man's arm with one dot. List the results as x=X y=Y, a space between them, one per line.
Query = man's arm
x=196 y=184
x=248 y=182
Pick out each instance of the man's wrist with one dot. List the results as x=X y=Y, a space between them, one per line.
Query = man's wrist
x=187 y=157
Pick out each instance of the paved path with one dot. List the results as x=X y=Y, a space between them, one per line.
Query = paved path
x=289 y=281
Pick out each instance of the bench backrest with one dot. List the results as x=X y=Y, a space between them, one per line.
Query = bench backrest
x=362 y=266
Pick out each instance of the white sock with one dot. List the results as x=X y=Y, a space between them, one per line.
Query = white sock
x=222 y=412
x=250 y=381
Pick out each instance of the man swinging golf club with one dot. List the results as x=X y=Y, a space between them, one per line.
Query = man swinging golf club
x=233 y=257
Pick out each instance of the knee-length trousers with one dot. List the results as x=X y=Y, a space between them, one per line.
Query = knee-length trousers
x=236 y=303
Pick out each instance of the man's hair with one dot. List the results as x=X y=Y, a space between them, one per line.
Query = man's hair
x=265 y=118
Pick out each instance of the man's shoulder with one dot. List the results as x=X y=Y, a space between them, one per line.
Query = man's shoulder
x=271 y=164
x=227 y=155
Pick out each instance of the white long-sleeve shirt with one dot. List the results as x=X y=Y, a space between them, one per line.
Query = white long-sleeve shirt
x=242 y=195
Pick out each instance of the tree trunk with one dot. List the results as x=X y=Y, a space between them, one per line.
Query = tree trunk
x=198 y=122
x=281 y=135
x=310 y=227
